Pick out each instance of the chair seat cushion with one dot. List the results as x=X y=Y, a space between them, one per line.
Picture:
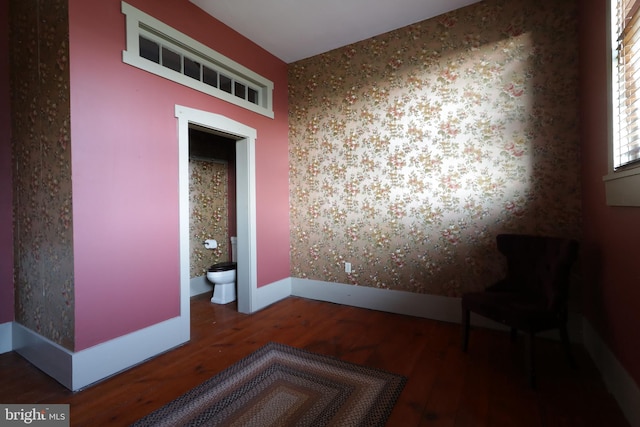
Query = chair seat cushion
x=521 y=311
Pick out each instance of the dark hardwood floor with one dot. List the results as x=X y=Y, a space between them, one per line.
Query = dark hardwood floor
x=485 y=387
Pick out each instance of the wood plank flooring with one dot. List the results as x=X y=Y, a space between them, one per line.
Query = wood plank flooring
x=485 y=387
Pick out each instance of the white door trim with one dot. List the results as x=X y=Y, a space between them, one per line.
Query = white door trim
x=247 y=277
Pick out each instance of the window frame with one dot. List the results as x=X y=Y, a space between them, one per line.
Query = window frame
x=622 y=184
x=140 y=24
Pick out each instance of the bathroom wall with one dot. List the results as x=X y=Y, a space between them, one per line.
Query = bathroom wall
x=6 y=190
x=42 y=202
x=208 y=213
x=410 y=151
x=211 y=199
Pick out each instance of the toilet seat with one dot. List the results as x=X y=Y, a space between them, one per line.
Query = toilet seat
x=222 y=266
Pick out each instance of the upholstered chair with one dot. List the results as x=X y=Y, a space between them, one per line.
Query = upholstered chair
x=533 y=297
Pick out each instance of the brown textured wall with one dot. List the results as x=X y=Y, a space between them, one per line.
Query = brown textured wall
x=410 y=151
x=43 y=248
x=6 y=180
x=208 y=214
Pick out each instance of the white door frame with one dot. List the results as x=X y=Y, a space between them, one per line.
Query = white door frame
x=247 y=277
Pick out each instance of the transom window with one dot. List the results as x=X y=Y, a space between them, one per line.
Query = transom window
x=157 y=48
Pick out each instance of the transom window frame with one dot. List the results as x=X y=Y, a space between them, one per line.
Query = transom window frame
x=622 y=183
x=139 y=24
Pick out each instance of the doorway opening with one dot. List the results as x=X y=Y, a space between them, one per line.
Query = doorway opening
x=212 y=204
x=244 y=137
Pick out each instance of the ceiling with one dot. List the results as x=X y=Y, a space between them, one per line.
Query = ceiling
x=296 y=29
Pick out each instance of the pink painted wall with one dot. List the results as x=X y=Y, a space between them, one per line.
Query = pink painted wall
x=611 y=241
x=6 y=234
x=125 y=167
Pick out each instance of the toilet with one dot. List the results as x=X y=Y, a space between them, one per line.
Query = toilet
x=223 y=277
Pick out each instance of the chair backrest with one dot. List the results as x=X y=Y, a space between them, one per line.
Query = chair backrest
x=540 y=266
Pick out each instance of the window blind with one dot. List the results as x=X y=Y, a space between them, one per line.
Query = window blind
x=627 y=140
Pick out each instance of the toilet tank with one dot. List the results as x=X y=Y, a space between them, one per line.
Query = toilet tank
x=234 y=245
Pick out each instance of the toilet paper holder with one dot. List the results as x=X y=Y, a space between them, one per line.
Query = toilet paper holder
x=210 y=244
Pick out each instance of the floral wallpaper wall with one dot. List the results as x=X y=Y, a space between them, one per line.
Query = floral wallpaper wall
x=410 y=151
x=43 y=237
x=208 y=216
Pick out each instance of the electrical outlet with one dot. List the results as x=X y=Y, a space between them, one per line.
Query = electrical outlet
x=347 y=267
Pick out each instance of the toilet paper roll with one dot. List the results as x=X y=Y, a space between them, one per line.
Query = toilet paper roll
x=210 y=244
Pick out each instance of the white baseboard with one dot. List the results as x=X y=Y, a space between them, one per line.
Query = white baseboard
x=199 y=285
x=98 y=362
x=272 y=293
x=430 y=306
x=51 y=358
x=615 y=376
x=436 y=307
x=77 y=370
x=6 y=337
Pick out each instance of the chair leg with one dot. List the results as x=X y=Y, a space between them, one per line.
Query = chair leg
x=564 y=335
x=530 y=359
x=466 y=316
